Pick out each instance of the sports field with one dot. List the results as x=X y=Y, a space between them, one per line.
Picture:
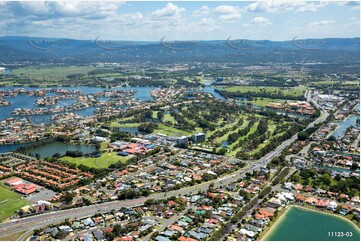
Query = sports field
x=10 y=201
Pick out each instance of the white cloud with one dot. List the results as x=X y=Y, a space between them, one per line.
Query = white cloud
x=284 y=6
x=227 y=13
x=261 y=21
x=311 y=7
x=204 y=10
x=170 y=10
x=57 y=9
x=321 y=23
x=206 y=21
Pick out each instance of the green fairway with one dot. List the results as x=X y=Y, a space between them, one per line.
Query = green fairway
x=226 y=126
x=154 y=114
x=286 y=91
x=251 y=131
x=10 y=201
x=104 y=161
x=224 y=137
x=168 y=118
x=126 y=125
x=170 y=131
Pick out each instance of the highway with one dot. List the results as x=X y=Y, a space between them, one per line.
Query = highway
x=45 y=219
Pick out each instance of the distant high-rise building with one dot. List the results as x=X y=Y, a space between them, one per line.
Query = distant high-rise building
x=182 y=140
x=2 y=70
x=199 y=137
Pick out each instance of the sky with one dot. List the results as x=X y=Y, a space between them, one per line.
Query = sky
x=181 y=20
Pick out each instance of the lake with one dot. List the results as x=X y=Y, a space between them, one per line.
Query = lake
x=48 y=150
x=298 y=224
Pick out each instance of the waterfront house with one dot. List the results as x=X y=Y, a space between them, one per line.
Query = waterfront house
x=311 y=200
x=299 y=198
x=322 y=203
x=346 y=208
x=332 y=206
x=298 y=187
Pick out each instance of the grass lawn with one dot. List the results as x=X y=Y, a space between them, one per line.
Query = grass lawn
x=104 y=161
x=287 y=91
x=10 y=201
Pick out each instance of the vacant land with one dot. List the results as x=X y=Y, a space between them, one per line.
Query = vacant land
x=104 y=161
x=10 y=201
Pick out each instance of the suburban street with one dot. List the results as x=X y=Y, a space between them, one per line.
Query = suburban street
x=45 y=219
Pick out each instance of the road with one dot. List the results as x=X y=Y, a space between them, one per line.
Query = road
x=45 y=219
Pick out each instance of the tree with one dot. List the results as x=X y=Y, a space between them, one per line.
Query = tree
x=303 y=135
x=117 y=229
x=354 y=166
x=56 y=155
x=68 y=198
x=222 y=151
x=332 y=138
x=160 y=115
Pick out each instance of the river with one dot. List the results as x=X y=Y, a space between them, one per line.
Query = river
x=298 y=224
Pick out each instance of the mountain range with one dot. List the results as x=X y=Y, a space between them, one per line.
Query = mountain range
x=329 y=50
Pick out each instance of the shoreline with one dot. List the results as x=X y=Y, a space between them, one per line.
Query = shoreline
x=280 y=219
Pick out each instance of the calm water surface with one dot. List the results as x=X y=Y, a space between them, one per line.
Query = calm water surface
x=302 y=224
x=58 y=147
x=344 y=125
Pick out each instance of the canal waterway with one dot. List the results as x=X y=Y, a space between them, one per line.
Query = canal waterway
x=344 y=125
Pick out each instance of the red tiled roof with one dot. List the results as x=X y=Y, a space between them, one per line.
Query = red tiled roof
x=182 y=238
x=14 y=180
